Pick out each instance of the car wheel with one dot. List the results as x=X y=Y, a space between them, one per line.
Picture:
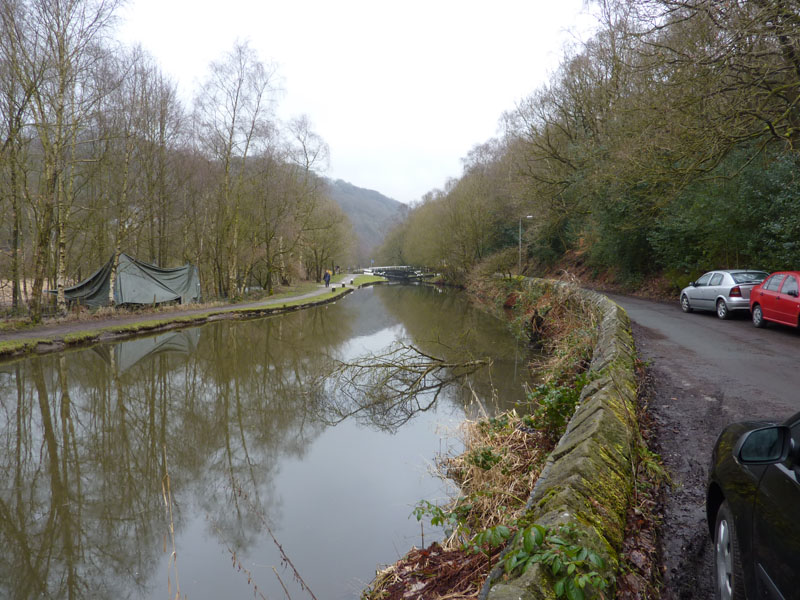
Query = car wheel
x=722 y=309
x=685 y=306
x=728 y=581
x=758 y=316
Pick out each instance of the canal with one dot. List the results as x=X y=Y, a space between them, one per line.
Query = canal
x=178 y=462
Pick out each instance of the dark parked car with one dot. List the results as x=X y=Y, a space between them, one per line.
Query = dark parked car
x=753 y=509
x=722 y=291
x=776 y=299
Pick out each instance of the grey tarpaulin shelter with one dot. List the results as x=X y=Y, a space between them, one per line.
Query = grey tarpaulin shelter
x=137 y=283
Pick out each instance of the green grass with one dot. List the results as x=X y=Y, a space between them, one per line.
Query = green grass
x=80 y=336
x=321 y=298
x=14 y=346
x=367 y=279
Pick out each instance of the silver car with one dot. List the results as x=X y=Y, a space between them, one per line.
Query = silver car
x=722 y=291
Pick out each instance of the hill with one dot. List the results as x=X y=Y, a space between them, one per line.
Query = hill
x=371 y=213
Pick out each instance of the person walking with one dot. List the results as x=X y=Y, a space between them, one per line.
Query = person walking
x=327 y=277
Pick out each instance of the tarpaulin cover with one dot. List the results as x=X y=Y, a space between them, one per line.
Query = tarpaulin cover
x=137 y=283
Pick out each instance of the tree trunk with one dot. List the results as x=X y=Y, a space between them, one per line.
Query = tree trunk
x=41 y=257
x=122 y=217
x=61 y=273
x=15 y=234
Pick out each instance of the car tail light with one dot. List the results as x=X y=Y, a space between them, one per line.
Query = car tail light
x=736 y=292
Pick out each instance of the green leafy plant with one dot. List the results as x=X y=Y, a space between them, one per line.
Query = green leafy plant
x=494 y=424
x=572 y=565
x=555 y=404
x=484 y=458
x=439 y=517
x=489 y=538
x=451 y=520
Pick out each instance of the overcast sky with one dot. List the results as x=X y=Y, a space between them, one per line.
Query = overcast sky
x=400 y=91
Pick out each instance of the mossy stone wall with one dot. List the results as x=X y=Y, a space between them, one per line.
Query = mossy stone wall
x=588 y=478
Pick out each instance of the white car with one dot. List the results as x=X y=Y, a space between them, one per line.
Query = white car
x=722 y=291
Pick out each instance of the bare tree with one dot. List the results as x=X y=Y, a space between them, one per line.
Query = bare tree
x=60 y=42
x=14 y=104
x=232 y=115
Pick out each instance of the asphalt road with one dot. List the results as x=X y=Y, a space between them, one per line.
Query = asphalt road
x=705 y=373
x=753 y=373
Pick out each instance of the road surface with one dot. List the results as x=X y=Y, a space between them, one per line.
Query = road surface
x=707 y=373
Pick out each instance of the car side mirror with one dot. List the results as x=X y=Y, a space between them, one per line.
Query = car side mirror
x=792 y=293
x=765 y=446
x=692 y=283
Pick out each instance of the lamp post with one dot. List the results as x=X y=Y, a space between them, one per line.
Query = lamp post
x=519 y=241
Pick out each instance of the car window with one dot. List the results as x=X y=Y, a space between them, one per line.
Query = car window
x=773 y=283
x=749 y=276
x=704 y=279
x=789 y=286
x=716 y=279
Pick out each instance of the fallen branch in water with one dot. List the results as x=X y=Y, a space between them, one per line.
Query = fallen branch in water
x=391 y=387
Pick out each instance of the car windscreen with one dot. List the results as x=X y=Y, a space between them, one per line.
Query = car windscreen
x=749 y=276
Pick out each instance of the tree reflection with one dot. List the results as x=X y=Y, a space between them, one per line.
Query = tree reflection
x=83 y=438
x=81 y=515
x=440 y=322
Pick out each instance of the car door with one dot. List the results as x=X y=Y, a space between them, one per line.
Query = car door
x=776 y=527
x=768 y=295
x=787 y=304
x=696 y=292
x=712 y=290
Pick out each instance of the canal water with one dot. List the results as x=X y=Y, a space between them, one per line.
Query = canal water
x=179 y=462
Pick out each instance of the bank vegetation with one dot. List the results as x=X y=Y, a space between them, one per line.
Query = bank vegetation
x=503 y=454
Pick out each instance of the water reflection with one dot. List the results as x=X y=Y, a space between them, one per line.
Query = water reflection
x=87 y=438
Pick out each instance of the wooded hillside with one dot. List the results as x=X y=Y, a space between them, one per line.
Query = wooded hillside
x=371 y=213
x=667 y=143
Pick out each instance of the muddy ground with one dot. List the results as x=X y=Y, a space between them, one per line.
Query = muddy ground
x=686 y=425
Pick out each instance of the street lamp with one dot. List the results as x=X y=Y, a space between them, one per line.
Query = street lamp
x=519 y=260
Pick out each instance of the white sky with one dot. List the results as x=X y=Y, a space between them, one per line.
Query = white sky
x=400 y=91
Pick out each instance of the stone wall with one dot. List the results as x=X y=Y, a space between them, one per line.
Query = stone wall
x=588 y=478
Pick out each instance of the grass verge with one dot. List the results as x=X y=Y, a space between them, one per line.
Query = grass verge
x=367 y=280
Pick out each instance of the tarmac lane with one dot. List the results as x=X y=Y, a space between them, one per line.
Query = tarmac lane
x=706 y=373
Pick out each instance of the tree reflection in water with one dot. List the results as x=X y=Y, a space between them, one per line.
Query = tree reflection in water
x=83 y=437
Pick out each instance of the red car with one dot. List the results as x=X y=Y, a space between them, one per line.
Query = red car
x=776 y=299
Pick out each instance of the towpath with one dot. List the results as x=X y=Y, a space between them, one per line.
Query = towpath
x=57 y=330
